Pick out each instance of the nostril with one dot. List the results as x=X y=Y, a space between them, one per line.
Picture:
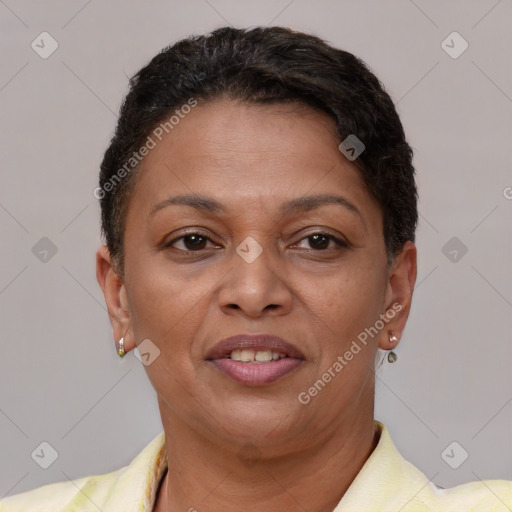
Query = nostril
x=270 y=306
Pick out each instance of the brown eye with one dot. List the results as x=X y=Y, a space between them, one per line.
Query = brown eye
x=321 y=241
x=190 y=242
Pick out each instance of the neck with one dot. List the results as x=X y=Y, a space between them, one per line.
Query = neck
x=207 y=476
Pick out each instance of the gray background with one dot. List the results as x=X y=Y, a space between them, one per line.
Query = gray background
x=61 y=380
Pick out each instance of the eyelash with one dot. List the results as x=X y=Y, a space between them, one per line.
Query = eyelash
x=340 y=243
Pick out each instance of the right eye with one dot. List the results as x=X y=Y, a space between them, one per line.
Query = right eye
x=191 y=242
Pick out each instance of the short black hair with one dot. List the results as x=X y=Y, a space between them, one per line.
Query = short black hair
x=264 y=65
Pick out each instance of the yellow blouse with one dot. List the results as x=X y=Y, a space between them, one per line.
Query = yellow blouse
x=386 y=483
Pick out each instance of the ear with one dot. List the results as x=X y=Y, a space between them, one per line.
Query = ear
x=399 y=291
x=114 y=291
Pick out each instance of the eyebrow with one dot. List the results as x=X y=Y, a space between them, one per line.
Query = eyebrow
x=297 y=205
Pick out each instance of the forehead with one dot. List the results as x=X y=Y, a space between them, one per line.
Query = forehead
x=245 y=152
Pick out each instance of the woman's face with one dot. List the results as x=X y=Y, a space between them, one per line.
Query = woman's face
x=196 y=275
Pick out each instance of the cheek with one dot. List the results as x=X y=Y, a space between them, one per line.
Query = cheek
x=163 y=306
x=349 y=302
x=167 y=310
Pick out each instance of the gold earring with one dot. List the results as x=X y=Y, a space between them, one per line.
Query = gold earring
x=120 y=350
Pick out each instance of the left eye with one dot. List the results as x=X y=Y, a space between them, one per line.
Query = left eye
x=320 y=241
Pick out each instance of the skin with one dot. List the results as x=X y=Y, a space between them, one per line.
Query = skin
x=253 y=158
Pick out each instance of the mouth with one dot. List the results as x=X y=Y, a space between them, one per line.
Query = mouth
x=255 y=360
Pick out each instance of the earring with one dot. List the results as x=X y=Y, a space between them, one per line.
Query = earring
x=392 y=357
x=120 y=350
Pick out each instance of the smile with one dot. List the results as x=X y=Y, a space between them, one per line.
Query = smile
x=255 y=360
x=255 y=356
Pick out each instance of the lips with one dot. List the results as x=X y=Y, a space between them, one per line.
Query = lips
x=255 y=360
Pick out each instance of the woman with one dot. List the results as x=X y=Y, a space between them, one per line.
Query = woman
x=259 y=211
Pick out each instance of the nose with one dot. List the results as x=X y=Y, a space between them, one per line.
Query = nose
x=255 y=288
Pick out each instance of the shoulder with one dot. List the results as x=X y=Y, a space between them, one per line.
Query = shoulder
x=132 y=487
x=479 y=496
x=388 y=482
x=82 y=494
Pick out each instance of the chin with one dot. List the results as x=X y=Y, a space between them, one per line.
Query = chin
x=260 y=422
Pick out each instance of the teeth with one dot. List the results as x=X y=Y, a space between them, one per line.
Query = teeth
x=248 y=355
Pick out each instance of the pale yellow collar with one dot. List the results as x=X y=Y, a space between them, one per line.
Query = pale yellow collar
x=385 y=478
